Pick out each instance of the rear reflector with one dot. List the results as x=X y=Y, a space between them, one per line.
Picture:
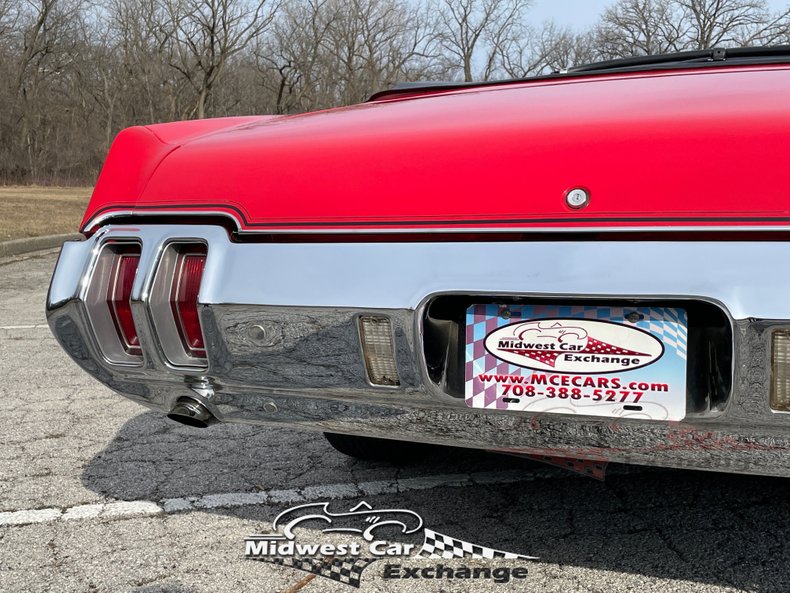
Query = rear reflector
x=379 y=350
x=119 y=292
x=183 y=299
x=780 y=371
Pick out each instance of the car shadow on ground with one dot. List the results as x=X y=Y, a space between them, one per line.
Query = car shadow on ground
x=712 y=528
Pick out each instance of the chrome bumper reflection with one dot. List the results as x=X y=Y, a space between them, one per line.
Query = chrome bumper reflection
x=280 y=323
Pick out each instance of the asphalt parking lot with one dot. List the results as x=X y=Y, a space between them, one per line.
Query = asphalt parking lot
x=99 y=494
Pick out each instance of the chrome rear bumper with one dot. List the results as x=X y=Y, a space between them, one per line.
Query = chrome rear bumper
x=280 y=324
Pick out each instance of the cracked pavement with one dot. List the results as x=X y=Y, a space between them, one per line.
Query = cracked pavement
x=67 y=441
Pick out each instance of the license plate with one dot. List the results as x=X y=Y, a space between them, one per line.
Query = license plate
x=621 y=362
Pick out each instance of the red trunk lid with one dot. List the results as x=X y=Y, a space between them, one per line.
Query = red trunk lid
x=689 y=148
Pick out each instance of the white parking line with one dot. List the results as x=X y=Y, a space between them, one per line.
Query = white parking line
x=141 y=508
x=39 y=326
x=30 y=516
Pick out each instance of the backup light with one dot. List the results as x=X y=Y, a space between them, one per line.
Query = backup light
x=780 y=371
x=183 y=299
x=378 y=349
x=119 y=292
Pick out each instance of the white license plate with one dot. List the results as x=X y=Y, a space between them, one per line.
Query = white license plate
x=621 y=362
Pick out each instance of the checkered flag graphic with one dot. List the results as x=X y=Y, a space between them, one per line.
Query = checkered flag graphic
x=346 y=571
x=673 y=335
x=438 y=545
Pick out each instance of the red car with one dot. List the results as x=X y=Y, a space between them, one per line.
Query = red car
x=588 y=264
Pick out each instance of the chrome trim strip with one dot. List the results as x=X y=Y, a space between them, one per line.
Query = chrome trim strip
x=102 y=219
x=520 y=230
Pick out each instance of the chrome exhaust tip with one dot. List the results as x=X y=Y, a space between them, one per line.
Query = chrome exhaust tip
x=191 y=412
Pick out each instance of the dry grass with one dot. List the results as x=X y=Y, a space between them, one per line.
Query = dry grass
x=32 y=211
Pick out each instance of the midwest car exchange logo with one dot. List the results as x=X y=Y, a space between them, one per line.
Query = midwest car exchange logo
x=376 y=534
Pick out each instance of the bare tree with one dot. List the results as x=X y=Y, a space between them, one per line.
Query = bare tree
x=330 y=52
x=544 y=50
x=74 y=72
x=373 y=43
x=139 y=52
x=8 y=17
x=725 y=23
x=289 y=60
x=471 y=32
x=46 y=45
x=207 y=34
x=644 y=27
x=641 y=27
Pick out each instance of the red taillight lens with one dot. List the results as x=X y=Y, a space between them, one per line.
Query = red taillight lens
x=183 y=299
x=119 y=292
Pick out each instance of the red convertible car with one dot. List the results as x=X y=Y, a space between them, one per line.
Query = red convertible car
x=588 y=264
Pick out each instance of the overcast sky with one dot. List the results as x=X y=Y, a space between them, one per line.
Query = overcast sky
x=582 y=13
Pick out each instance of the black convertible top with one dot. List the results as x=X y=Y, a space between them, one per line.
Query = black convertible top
x=778 y=54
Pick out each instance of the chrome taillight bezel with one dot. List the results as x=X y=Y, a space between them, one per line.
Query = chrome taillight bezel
x=164 y=314
x=101 y=310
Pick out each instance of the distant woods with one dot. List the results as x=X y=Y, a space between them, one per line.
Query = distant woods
x=75 y=72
